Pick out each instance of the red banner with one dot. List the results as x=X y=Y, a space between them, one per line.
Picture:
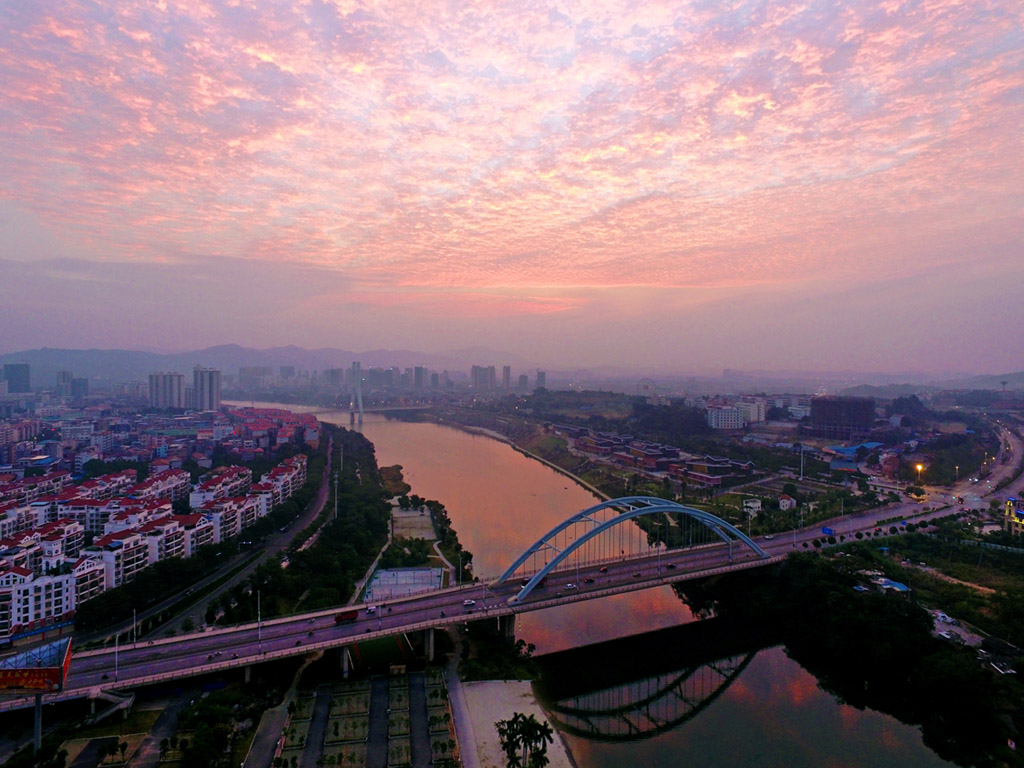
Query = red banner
x=34 y=679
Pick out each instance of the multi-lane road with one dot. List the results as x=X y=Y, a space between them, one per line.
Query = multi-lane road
x=199 y=653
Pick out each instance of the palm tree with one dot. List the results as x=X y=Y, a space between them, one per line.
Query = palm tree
x=525 y=741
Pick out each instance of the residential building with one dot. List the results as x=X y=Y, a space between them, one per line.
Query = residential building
x=724 y=417
x=206 y=387
x=18 y=378
x=167 y=390
x=123 y=555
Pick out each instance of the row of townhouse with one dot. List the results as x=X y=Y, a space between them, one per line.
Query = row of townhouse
x=219 y=484
x=46 y=571
x=173 y=484
x=28 y=489
x=283 y=480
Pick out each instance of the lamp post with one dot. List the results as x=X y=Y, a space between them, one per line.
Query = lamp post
x=335 y=495
x=259 y=621
x=919 y=468
x=957 y=468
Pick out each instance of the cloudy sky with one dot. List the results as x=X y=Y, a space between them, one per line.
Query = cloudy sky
x=684 y=185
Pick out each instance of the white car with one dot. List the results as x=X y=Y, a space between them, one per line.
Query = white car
x=570 y=585
x=468 y=603
x=370 y=610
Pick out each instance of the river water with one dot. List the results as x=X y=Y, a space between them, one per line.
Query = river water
x=772 y=714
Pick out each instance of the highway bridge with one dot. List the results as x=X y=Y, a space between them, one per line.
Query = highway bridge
x=594 y=553
x=614 y=547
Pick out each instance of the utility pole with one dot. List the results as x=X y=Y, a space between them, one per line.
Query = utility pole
x=259 y=621
x=335 y=495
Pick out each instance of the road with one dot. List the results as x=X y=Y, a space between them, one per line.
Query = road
x=222 y=649
x=274 y=546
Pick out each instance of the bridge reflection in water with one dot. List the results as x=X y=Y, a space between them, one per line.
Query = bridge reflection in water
x=641 y=686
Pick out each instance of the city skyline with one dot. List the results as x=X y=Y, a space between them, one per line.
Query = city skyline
x=760 y=186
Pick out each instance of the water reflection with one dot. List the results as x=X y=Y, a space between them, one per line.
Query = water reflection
x=764 y=711
x=757 y=708
x=500 y=502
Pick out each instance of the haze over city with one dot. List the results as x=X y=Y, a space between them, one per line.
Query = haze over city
x=680 y=185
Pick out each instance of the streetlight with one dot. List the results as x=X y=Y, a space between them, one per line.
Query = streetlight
x=957 y=468
x=259 y=622
x=919 y=468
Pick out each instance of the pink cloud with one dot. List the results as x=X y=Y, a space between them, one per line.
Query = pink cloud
x=503 y=151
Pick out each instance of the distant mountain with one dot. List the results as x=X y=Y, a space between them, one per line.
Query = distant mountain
x=111 y=366
x=886 y=391
x=1013 y=381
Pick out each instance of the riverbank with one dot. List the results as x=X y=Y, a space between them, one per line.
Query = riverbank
x=494 y=700
x=483 y=431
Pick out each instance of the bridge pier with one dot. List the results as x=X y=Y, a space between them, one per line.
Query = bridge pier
x=430 y=644
x=248 y=673
x=507 y=626
x=346 y=662
x=37 y=730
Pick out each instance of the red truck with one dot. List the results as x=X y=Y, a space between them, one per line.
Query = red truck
x=344 y=616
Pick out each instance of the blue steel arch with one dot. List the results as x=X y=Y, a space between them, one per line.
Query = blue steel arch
x=599 y=724
x=635 y=506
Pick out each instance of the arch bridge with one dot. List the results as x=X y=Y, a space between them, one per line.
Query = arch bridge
x=644 y=708
x=598 y=534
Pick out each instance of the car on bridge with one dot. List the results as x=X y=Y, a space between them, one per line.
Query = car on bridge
x=469 y=603
x=570 y=585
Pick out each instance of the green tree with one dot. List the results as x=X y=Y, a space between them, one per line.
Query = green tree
x=524 y=741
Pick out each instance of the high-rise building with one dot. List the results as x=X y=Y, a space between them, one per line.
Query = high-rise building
x=17 y=375
x=64 y=383
x=79 y=387
x=206 y=385
x=840 y=418
x=167 y=390
x=506 y=377
x=483 y=377
x=542 y=380
x=419 y=377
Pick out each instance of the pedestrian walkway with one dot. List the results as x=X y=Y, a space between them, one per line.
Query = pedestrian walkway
x=419 y=728
x=268 y=732
x=314 y=747
x=460 y=709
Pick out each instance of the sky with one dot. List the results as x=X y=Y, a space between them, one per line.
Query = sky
x=681 y=186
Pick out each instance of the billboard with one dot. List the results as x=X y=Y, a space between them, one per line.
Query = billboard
x=38 y=670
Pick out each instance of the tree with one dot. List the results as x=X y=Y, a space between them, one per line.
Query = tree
x=524 y=741
x=122 y=748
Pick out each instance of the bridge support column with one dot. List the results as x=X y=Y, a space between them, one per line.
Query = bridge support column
x=248 y=673
x=430 y=644
x=351 y=417
x=507 y=626
x=346 y=662
x=37 y=731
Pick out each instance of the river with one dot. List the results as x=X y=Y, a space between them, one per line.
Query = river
x=772 y=713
